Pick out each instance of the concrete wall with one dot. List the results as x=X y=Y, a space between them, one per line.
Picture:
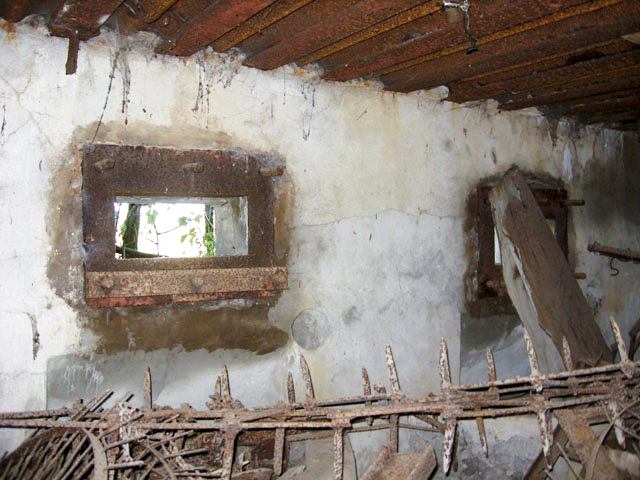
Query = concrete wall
x=370 y=221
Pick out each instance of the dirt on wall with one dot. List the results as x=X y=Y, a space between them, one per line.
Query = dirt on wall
x=231 y=324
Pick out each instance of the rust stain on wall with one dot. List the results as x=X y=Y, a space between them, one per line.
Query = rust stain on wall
x=211 y=325
x=191 y=326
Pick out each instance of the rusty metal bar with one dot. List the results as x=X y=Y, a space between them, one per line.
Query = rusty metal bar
x=182 y=282
x=624 y=254
x=278 y=451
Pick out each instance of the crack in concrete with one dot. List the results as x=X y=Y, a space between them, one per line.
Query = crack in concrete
x=421 y=213
x=18 y=95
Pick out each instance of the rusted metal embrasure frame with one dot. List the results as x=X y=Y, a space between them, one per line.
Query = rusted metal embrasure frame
x=124 y=429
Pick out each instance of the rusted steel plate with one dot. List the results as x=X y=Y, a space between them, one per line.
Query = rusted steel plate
x=184 y=282
x=379 y=28
x=84 y=15
x=582 y=73
x=259 y=22
x=505 y=55
x=503 y=25
x=329 y=30
x=149 y=10
x=613 y=118
x=439 y=38
x=213 y=22
x=16 y=10
x=542 y=64
x=298 y=21
x=607 y=106
x=607 y=83
x=621 y=95
x=404 y=41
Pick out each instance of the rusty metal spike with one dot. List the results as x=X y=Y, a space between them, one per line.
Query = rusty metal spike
x=544 y=424
x=531 y=353
x=306 y=374
x=367 y=383
x=483 y=435
x=622 y=349
x=393 y=373
x=617 y=423
x=448 y=443
x=626 y=365
x=226 y=390
x=291 y=390
x=445 y=374
x=491 y=365
x=566 y=354
x=148 y=400
x=218 y=387
x=278 y=451
x=367 y=391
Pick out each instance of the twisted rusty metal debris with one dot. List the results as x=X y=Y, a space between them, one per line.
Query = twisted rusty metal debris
x=161 y=442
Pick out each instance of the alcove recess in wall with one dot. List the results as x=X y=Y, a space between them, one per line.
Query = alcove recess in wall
x=219 y=244
x=488 y=295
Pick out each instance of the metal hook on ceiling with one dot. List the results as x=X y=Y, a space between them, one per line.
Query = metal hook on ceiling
x=464 y=6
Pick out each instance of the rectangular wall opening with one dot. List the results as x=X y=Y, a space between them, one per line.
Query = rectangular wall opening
x=180 y=227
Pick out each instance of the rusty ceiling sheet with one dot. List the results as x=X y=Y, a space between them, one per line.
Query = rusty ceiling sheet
x=551 y=41
x=345 y=23
x=529 y=53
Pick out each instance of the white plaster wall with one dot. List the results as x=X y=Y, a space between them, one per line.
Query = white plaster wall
x=380 y=183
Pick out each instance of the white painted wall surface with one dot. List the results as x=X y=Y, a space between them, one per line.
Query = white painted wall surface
x=380 y=182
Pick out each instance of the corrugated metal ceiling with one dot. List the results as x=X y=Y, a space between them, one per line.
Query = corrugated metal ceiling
x=569 y=57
